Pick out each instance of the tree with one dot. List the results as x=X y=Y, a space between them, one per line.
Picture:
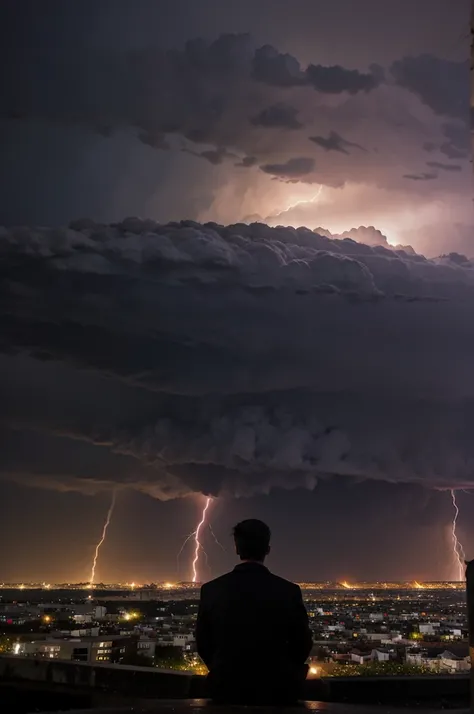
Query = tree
x=170 y=658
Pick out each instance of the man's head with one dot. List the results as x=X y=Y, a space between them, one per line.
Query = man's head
x=252 y=540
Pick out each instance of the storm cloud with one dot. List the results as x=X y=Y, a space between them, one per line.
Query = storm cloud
x=443 y=167
x=440 y=84
x=227 y=97
x=279 y=115
x=294 y=168
x=232 y=359
x=335 y=142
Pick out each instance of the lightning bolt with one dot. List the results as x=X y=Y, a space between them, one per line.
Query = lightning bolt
x=215 y=538
x=458 y=550
x=186 y=540
x=307 y=200
x=198 y=545
x=104 y=533
x=194 y=535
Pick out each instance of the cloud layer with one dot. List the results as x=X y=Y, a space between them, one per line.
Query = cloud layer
x=233 y=358
x=233 y=96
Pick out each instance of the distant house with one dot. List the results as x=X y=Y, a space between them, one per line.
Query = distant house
x=360 y=657
x=383 y=654
x=440 y=660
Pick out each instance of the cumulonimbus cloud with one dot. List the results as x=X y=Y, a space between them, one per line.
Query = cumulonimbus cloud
x=230 y=96
x=238 y=358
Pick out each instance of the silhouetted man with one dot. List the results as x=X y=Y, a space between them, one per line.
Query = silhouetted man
x=252 y=629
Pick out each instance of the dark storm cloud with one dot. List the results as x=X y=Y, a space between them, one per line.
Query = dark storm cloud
x=443 y=167
x=284 y=70
x=229 y=96
x=247 y=162
x=335 y=142
x=367 y=235
x=425 y=176
x=449 y=150
x=294 y=168
x=214 y=156
x=458 y=145
x=245 y=357
x=335 y=80
x=158 y=92
x=441 y=84
x=279 y=115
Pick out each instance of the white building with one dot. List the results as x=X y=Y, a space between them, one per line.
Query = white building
x=444 y=662
x=382 y=654
x=183 y=641
x=428 y=628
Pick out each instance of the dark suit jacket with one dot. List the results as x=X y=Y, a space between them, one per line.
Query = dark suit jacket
x=252 y=632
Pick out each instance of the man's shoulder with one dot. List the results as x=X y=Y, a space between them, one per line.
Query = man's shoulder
x=217 y=583
x=283 y=584
x=275 y=582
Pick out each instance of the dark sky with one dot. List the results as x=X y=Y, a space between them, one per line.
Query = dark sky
x=321 y=382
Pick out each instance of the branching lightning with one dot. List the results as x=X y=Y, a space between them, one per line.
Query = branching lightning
x=215 y=538
x=198 y=545
x=199 y=548
x=458 y=550
x=307 y=200
x=104 y=533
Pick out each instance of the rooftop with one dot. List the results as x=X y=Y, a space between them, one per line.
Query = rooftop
x=197 y=706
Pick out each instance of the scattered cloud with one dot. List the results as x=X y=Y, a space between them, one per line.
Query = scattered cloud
x=441 y=84
x=284 y=70
x=279 y=115
x=335 y=142
x=214 y=156
x=223 y=99
x=424 y=176
x=443 y=167
x=247 y=162
x=294 y=168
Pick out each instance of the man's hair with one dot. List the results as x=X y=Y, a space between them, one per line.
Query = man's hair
x=252 y=539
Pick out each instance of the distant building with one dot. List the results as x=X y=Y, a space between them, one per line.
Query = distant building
x=383 y=654
x=80 y=649
x=439 y=661
x=359 y=657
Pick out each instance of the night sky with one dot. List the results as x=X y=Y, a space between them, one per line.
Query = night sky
x=322 y=381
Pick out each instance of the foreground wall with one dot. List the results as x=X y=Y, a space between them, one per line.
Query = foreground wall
x=120 y=679
x=470 y=621
x=116 y=683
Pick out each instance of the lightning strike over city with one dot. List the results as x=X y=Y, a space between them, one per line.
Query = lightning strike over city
x=198 y=545
x=237 y=258
x=102 y=539
x=458 y=550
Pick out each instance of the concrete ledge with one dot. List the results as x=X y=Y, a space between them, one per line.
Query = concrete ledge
x=124 y=679
x=122 y=682
x=438 y=691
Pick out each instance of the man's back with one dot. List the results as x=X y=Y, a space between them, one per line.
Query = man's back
x=253 y=635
